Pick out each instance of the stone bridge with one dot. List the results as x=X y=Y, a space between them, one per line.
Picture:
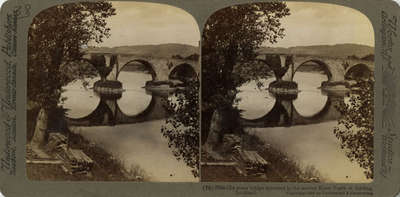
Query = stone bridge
x=161 y=69
x=338 y=70
x=284 y=114
x=108 y=113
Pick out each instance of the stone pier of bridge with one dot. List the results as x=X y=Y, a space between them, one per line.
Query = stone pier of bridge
x=159 y=68
x=285 y=67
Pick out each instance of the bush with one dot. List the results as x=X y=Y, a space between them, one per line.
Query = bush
x=182 y=128
x=355 y=129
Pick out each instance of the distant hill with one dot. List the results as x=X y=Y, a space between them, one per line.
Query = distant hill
x=183 y=50
x=160 y=51
x=338 y=50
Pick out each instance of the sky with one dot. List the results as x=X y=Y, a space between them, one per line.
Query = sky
x=321 y=23
x=309 y=24
x=150 y=23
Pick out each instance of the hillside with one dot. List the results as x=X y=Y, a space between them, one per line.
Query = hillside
x=168 y=50
x=338 y=50
x=161 y=50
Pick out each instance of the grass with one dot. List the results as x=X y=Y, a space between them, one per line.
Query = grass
x=106 y=166
x=288 y=170
x=281 y=168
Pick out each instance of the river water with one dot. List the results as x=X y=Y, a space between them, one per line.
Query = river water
x=309 y=144
x=138 y=145
x=142 y=145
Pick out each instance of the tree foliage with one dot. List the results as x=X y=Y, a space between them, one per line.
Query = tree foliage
x=182 y=128
x=55 y=41
x=355 y=129
x=99 y=62
x=229 y=42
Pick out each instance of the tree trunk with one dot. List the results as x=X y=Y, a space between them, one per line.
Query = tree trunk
x=39 y=134
x=215 y=135
x=206 y=117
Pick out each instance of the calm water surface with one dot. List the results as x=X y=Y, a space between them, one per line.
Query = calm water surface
x=140 y=144
x=312 y=144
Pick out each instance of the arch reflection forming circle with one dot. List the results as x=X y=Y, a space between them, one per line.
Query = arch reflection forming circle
x=80 y=100
x=310 y=101
x=255 y=103
x=134 y=99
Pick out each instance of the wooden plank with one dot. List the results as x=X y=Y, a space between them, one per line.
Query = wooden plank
x=239 y=171
x=253 y=157
x=79 y=156
x=86 y=158
x=246 y=156
x=219 y=163
x=258 y=158
x=65 y=169
x=52 y=162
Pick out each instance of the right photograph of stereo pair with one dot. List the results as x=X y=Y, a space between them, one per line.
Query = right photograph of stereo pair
x=287 y=94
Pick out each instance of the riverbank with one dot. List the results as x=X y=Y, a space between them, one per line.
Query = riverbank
x=141 y=144
x=314 y=145
x=105 y=166
x=280 y=167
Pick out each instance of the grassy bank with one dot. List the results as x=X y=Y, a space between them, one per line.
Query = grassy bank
x=105 y=168
x=281 y=167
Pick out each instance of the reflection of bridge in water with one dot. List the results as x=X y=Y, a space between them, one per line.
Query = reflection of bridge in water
x=108 y=113
x=284 y=114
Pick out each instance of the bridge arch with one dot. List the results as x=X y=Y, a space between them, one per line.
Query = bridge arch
x=103 y=63
x=125 y=118
x=289 y=116
x=358 y=71
x=277 y=116
x=182 y=72
x=268 y=65
x=146 y=65
x=279 y=64
x=320 y=63
x=315 y=118
x=103 y=115
x=321 y=112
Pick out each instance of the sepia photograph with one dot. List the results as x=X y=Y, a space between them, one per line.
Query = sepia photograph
x=287 y=94
x=113 y=93
x=199 y=98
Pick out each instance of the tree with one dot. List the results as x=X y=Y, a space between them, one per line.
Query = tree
x=229 y=42
x=182 y=128
x=355 y=129
x=55 y=40
x=99 y=62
